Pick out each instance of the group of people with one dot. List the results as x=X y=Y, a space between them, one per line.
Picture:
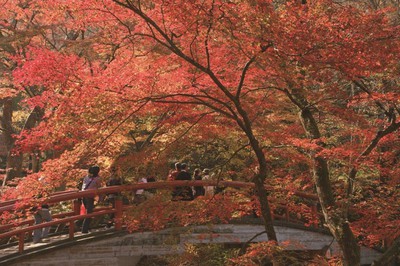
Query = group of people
x=90 y=181
x=186 y=193
x=93 y=181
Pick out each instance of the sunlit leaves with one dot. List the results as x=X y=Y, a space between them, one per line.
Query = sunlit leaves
x=109 y=72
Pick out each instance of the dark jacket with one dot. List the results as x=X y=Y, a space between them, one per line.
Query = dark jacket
x=183 y=193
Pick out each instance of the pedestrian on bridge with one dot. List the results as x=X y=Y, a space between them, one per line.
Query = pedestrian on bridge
x=209 y=190
x=91 y=181
x=41 y=214
x=198 y=190
x=174 y=173
x=115 y=180
x=184 y=193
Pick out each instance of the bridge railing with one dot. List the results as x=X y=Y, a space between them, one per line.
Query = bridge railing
x=21 y=229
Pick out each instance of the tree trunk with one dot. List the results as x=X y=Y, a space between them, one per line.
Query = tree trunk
x=390 y=254
x=262 y=195
x=262 y=174
x=347 y=243
x=14 y=161
x=13 y=167
x=35 y=162
x=335 y=217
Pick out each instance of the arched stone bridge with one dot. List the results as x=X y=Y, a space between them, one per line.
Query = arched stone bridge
x=118 y=247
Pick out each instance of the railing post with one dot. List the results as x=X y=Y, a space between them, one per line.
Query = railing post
x=77 y=210
x=71 y=229
x=29 y=238
x=77 y=207
x=21 y=240
x=118 y=214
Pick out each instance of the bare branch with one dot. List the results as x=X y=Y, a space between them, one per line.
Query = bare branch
x=197 y=100
x=242 y=77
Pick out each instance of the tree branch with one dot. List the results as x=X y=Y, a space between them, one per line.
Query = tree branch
x=242 y=77
x=198 y=100
x=242 y=250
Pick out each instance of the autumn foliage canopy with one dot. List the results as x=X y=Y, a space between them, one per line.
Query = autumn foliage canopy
x=307 y=92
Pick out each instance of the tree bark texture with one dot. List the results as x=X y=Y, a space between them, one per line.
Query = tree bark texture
x=14 y=160
x=335 y=217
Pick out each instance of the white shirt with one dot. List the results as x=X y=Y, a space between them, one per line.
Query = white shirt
x=140 y=191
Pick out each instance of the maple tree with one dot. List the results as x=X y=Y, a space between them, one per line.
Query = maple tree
x=308 y=86
x=14 y=36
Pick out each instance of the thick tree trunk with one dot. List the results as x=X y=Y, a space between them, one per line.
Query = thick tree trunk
x=390 y=254
x=14 y=161
x=335 y=217
x=6 y=123
x=262 y=174
x=347 y=242
x=13 y=167
x=262 y=195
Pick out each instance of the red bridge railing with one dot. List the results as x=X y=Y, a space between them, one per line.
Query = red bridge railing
x=18 y=230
